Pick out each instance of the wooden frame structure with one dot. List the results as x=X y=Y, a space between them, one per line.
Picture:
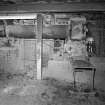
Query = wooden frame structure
x=7 y=12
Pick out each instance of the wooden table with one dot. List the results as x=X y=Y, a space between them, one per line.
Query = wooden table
x=81 y=66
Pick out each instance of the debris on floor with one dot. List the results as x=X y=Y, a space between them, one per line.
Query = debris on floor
x=21 y=91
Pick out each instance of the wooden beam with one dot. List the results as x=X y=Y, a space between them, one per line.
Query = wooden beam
x=39 y=46
x=19 y=16
x=52 y=7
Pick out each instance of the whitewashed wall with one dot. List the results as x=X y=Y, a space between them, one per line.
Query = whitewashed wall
x=20 y=57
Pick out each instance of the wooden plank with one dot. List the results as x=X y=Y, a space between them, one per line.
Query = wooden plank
x=19 y=16
x=39 y=46
x=52 y=7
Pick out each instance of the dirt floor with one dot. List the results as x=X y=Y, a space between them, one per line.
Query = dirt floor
x=20 y=90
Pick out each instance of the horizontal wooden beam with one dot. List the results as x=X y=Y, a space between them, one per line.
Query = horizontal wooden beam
x=19 y=16
x=54 y=7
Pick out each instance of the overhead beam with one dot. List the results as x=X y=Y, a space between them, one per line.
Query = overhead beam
x=19 y=16
x=52 y=7
x=7 y=2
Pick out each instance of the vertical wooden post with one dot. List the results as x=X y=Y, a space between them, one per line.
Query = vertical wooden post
x=39 y=46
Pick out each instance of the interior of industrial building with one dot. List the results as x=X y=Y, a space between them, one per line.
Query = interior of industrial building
x=52 y=52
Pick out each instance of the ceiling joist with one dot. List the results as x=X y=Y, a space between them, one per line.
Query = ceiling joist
x=52 y=7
